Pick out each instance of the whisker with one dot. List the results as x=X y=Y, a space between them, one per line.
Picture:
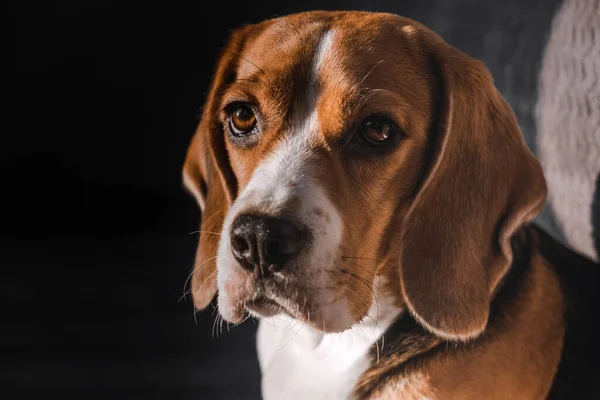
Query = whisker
x=364 y=258
x=369 y=286
x=293 y=337
x=290 y=325
x=352 y=274
x=214 y=325
x=209 y=232
x=262 y=71
x=356 y=308
x=363 y=281
x=373 y=284
x=243 y=320
x=275 y=328
x=185 y=284
x=362 y=332
x=377 y=348
x=371 y=273
x=369 y=73
x=266 y=321
x=206 y=280
x=357 y=295
x=190 y=275
x=366 y=315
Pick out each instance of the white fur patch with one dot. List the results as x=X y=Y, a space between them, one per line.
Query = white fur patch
x=299 y=362
x=323 y=50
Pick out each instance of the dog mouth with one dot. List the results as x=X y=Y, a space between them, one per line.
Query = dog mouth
x=318 y=304
x=264 y=306
x=268 y=301
x=330 y=315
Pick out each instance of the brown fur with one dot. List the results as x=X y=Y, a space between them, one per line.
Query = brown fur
x=435 y=216
x=516 y=358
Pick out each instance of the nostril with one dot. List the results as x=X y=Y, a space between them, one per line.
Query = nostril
x=239 y=244
x=280 y=247
x=272 y=248
x=281 y=243
x=243 y=253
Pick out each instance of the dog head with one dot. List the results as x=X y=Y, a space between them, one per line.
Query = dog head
x=343 y=153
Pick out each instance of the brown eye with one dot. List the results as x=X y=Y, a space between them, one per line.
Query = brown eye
x=377 y=131
x=242 y=121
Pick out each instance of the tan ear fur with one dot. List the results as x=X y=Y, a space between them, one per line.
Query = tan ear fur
x=208 y=175
x=483 y=183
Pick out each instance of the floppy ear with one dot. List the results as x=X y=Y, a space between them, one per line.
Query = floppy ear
x=207 y=174
x=483 y=183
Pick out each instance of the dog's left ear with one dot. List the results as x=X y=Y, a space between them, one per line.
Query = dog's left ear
x=207 y=174
x=482 y=184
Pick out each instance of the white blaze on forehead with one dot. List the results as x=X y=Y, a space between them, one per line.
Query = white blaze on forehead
x=323 y=49
x=309 y=118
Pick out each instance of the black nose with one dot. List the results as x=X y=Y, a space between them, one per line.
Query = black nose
x=263 y=244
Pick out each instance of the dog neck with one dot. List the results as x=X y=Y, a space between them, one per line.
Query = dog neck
x=299 y=362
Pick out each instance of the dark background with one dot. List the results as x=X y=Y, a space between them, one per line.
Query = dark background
x=99 y=101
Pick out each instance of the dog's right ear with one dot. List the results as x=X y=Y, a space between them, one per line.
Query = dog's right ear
x=207 y=174
x=482 y=185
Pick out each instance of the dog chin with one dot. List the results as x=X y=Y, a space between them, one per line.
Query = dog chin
x=264 y=307
x=230 y=312
x=234 y=309
x=332 y=318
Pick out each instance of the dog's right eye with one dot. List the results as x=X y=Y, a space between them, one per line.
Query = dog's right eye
x=377 y=131
x=242 y=121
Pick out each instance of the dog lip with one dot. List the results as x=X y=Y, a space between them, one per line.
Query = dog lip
x=264 y=306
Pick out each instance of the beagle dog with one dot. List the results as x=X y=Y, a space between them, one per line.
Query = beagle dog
x=366 y=193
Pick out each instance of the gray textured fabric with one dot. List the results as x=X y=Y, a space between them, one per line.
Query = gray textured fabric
x=568 y=117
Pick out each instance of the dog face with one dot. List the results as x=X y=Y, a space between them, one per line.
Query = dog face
x=341 y=154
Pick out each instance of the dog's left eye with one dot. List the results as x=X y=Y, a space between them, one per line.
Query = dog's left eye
x=377 y=131
x=242 y=120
